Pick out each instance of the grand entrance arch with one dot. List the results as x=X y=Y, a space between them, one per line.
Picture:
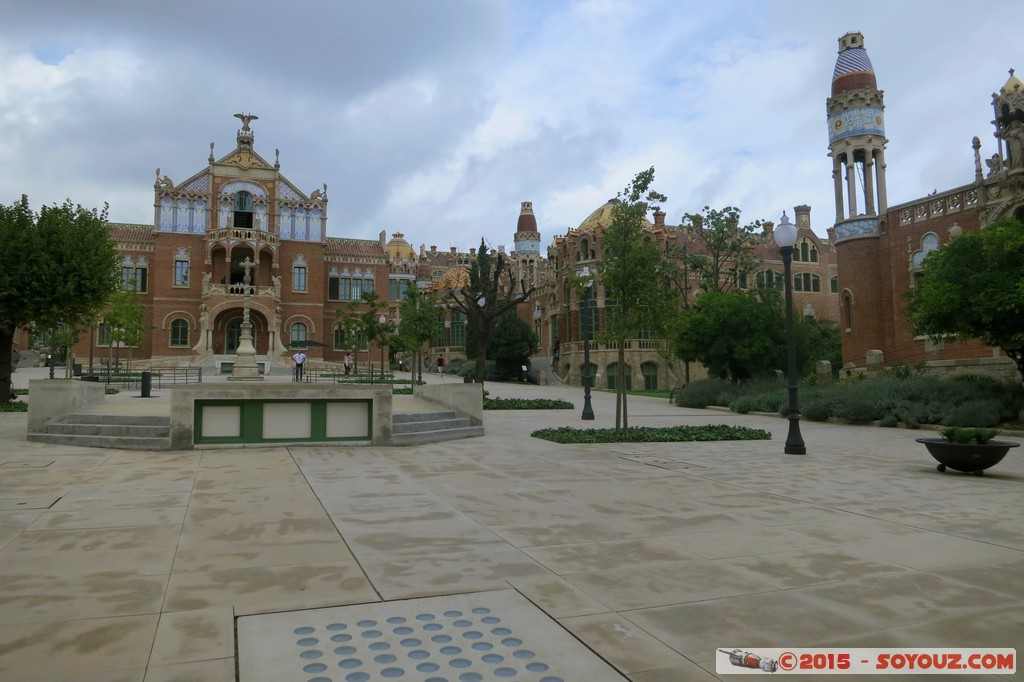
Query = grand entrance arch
x=228 y=329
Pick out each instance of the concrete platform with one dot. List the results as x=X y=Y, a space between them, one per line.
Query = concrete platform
x=131 y=566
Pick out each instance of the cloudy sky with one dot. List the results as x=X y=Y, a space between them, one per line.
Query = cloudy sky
x=436 y=118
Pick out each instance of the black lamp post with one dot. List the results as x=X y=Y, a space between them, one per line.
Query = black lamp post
x=383 y=339
x=588 y=409
x=785 y=237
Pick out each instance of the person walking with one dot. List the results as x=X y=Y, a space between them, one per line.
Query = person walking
x=300 y=361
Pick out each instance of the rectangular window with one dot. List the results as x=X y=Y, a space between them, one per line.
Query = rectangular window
x=368 y=285
x=102 y=335
x=554 y=330
x=181 y=273
x=397 y=288
x=339 y=289
x=298 y=278
x=798 y=283
x=439 y=329
x=458 y=329
x=834 y=285
x=815 y=283
x=135 y=279
x=357 y=290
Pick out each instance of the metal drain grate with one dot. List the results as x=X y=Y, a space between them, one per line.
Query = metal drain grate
x=460 y=638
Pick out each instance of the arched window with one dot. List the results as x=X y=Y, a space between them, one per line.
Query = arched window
x=805 y=251
x=834 y=284
x=299 y=335
x=584 y=249
x=339 y=337
x=650 y=372
x=612 y=372
x=179 y=333
x=767 y=279
x=848 y=311
x=243 y=210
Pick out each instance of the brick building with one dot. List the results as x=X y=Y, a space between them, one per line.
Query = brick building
x=880 y=247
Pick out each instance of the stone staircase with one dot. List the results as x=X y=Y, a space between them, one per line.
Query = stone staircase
x=122 y=432
x=418 y=428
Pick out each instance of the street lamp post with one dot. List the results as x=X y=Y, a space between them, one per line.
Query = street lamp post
x=382 y=321
x=785 y=237
x=588 y=409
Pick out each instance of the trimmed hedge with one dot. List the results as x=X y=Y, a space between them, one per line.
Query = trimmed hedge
x=646 y=434
x=526 y=404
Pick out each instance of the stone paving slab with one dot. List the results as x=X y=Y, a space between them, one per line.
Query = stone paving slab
x=459 y=637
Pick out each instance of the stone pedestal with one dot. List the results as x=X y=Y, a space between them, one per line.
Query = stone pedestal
x=245 y=368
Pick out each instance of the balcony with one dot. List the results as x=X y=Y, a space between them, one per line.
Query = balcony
x=242 y=234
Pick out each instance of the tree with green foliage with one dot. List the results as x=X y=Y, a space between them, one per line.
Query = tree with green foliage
x=492 y=290
x=735 y=334
x=55 y=267
x=719 y=251
x=514 y=341
x=817 y=340
x=973 y=288
x=418 y=322
x=362 y=317
x=125 y=320
x=637 y=302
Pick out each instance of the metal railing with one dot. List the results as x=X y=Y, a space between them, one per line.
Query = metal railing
x=132 y=378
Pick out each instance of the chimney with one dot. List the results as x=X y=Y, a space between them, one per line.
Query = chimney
x=453 y=251
x=803 y=216
x=769 y=228
x=831 y=234
x=433 y=248
x=472 y=251
x=659 y=218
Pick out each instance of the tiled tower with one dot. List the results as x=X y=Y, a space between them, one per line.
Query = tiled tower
x=856 y=136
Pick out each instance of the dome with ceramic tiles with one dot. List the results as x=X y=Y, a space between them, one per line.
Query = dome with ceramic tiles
x=853 y=67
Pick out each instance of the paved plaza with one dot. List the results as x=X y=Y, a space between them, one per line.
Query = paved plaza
x=122 y=566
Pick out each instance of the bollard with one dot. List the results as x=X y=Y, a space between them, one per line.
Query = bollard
x=147 y=384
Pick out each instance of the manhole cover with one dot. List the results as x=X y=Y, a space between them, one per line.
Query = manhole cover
x=459 y=638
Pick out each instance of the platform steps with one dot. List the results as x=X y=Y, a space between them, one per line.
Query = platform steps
x=418 y=428
x=122 y=432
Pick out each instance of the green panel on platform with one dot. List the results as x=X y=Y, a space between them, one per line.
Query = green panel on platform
x=248 y=421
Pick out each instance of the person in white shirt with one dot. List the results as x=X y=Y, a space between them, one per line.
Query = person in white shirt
x=300 y=360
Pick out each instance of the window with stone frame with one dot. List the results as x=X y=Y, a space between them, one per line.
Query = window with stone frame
x=135 y=278
x=181 y=268
x=834 y=284
x=299 y=275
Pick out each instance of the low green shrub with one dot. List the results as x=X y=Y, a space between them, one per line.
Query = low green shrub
x=977 y=412
x=19 y=391
x=14 y=406
x=902 y=396
x=645 y=434
x=771 y=401
x=526 y=404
